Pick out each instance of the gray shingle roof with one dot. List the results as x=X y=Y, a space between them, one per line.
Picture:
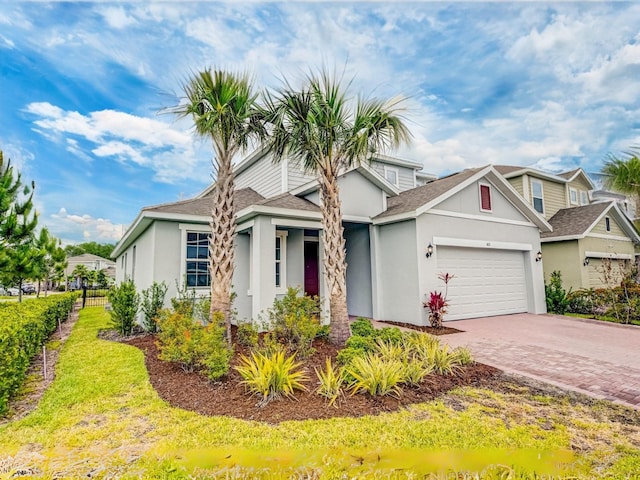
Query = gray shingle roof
x=507 y=169
x=569 y=174
x=575 y=220
x=202 y=206
x=286 y=200
x=410 y=200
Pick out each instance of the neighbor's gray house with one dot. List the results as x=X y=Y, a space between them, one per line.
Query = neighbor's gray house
x=402 y=228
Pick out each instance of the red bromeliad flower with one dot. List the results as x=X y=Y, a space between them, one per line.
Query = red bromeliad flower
x=436 y=302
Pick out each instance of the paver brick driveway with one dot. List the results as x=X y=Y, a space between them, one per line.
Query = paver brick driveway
x=597 y=358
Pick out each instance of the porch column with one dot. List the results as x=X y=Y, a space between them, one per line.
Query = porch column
x=376 y=286
x=263 y=269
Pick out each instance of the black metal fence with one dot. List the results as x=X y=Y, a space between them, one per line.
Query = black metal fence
x=94 y=296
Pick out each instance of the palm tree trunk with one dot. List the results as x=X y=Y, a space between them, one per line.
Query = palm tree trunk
x=221 y=245
x=335 y=264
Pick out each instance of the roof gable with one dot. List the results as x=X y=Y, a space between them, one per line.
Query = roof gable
x=414 y=202
x=578 y=222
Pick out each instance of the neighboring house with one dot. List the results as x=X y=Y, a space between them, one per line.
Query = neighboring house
x=476 y=225
x=92 y=262
x=588 y=227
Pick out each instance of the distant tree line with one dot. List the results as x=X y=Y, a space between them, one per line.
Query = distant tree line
x=100 y=249
x=26 y=252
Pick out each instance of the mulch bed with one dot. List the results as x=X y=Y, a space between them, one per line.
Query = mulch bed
x=193 y=391
x=421 y=328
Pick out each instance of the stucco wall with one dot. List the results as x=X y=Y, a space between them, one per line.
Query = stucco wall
x=167 y=256
x=467 y=201
x=564 y=257
x=359 y=196
x=358 y=270
x=241 y=277
x=295 y=258
x=397 y=273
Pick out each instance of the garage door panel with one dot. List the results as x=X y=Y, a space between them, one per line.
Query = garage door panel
x=487 y=282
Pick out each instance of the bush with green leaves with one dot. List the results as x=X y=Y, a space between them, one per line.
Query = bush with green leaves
x=125 y=302
x=364 y=339
x=355 y=346
x=151 y=302
x=185 y=301
x=582 y=301
x=24 y=327
x=271 y=376
x=247 y=334
x=186 y=341
x=295 y=321
x=362 y=327
x=555 y=295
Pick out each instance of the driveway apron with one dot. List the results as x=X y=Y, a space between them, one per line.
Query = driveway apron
x=599 y=359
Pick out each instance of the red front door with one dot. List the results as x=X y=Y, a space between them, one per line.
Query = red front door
x=311 y=270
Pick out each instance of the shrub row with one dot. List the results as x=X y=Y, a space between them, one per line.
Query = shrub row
x=24 y=327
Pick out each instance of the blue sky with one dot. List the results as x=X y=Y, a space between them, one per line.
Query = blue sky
x=83 y=86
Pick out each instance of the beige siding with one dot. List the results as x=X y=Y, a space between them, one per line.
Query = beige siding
x=553 y=197
x=580 y=185
x=601 y=228
x=263 y=176
x=517 y=184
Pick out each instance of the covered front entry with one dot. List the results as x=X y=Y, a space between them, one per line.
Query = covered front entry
x=486 y=281
x=311 y=268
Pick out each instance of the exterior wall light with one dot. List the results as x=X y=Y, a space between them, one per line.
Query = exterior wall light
x=586 y=261
x=429 y=251
x=538 y=256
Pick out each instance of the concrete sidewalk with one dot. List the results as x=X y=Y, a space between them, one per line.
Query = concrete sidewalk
x=599 y=359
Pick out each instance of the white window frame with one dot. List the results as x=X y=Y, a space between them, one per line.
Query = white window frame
x=480 y=185
x=573 y=193
x=388 y=170
x=584 y=198
x=186 y=259
x=607 y=224
x=541 y=197
x=282 y=288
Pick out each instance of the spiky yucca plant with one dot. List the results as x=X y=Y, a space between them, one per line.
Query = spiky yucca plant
x=271 y=376
x=331 y=381
x=375 y=375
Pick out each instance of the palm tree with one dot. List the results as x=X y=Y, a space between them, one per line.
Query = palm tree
x=319 y=126
x=623 y=174
x=222 y=105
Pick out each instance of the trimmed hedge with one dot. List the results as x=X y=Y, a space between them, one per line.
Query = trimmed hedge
x=24 y=327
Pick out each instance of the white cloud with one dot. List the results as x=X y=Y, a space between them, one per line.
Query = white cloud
x=69 y=225
x=126 y=138
x=116 y=17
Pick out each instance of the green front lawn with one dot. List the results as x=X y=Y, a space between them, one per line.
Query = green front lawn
x=101 y=417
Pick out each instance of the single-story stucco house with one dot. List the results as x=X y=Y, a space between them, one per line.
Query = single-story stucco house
x=402 y=228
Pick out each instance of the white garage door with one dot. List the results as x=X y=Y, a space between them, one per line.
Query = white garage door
x=487 y=282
